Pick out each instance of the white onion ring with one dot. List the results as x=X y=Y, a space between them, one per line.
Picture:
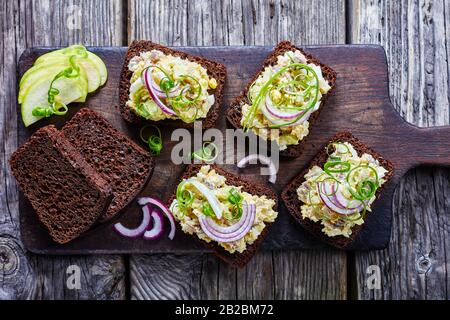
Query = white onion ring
x=210 y=197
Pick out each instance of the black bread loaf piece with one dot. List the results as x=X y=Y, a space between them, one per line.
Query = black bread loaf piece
x=67 y=194
x=214 y=69
x=234 y=112
x=293 y=204
x=234 y=259
x=122 y=163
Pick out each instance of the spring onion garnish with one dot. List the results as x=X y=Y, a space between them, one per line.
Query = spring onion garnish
x=179 y=94
x=154 y=141
x=207 y=153
x=235 y=198
x=207 y=210
x=189 y=95
x=365 y=189
x=338 y=174
x=309 y=92
x=184 y=197
x=56 y=106
x=336 y=167
x=337 y=147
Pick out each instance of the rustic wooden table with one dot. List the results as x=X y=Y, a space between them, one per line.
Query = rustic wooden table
x=413 y=33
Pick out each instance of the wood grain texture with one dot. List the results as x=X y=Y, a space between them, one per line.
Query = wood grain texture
x=33 y=23
x=234 y=22
x=415 y=37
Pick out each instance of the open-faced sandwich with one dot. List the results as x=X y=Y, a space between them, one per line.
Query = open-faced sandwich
x=333 y=197
x=161 y=84
x=283 y=99
x=226 y=213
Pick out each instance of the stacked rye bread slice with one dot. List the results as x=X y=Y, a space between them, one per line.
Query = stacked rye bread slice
x=85 y=173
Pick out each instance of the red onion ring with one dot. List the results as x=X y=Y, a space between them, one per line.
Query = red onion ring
x=329 y=200
x=162 y=94
x=158 y=203
x=158 y=226
x=149 y=84
x=140 y=230
x=281 y=114
x=210 y=230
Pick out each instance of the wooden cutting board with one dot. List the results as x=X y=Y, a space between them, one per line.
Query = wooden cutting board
x=360 y=103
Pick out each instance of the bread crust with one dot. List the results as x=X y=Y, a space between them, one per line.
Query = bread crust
x=293 y=204
x=236 y=259
x=38 y=165
x=214 y=69
x=126 y=166
x=234 y=112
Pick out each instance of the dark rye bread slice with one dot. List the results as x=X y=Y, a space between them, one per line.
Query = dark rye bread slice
x=234 y=259
x=214 y=69
x=122 y=163
x=234 y=112
x=67 y=194
x=290 y=198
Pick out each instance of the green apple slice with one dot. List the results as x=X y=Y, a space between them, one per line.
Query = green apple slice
x=73 y=50
x=70 y=90
x=90 y=68
x=48 y=72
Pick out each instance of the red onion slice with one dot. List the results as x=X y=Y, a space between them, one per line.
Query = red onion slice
x=264 y=160
x=346 y=203
x=162 y=94
x=278 y=121
x=210 y=229
x=149 y=84
x=328 y=198
x=233 y=228
x=277 y=113
x=158 y=226
x=147 y=200
x=136 y=232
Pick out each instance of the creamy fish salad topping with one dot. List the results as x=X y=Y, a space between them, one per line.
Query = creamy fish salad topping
x=206 y=206
x=283 y=98
x=340 y=194
x=164 y=86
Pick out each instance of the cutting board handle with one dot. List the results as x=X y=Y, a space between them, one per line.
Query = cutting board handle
x=431 y=146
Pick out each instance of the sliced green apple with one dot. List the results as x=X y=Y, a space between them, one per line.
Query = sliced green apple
x=48 y=72
x=70 y=90
x=73 y=50
x=90 y=68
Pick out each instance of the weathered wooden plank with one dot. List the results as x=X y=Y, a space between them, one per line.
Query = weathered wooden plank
x=25 y=24
x=235 y=22
x=414 y=36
